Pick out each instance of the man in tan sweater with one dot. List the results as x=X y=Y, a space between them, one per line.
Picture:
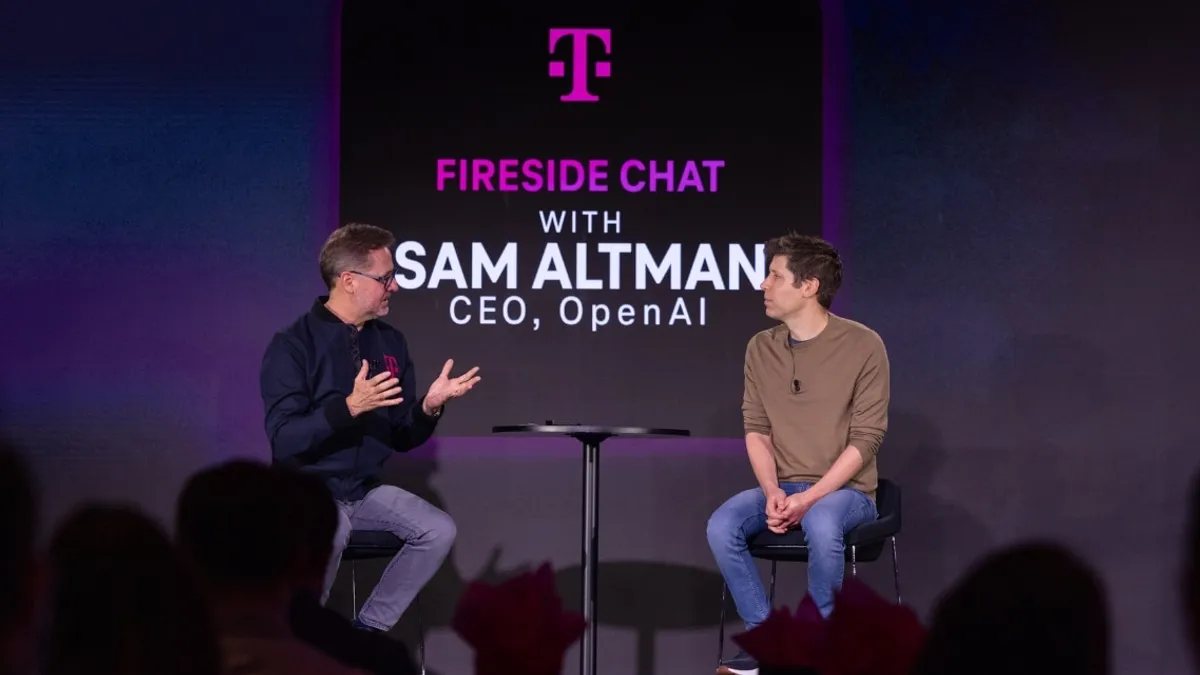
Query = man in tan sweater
x=815 y=411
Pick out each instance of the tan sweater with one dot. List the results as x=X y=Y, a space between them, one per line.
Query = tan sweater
x=842 y=400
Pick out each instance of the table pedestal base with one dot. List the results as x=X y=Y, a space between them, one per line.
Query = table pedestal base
x=590 y=435
x=591 y=547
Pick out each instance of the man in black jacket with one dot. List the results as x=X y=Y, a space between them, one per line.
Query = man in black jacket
x=337 y=386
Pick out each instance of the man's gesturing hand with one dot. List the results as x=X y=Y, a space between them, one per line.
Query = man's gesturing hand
x=445 y=387
x=380 y=391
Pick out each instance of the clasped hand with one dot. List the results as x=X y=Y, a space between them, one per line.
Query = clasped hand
x=784 y=512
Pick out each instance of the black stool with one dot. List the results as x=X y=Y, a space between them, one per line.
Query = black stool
x=863 y=544
x=369 y=545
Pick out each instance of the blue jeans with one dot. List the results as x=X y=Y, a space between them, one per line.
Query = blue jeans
x=745 y=515
x=428 y=534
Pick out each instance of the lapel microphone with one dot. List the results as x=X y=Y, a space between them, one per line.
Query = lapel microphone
x=792 y=352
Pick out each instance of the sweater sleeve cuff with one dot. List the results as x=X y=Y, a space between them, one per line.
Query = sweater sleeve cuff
x=432 y=419
x=337 y=413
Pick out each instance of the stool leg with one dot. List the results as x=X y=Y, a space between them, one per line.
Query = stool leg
x=771 y=595
x=896 y=570
x=853 y=561
x=721 y=628
x=420 y=636
x=353 y=591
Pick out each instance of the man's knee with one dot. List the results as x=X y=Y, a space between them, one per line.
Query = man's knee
x=441 y=531
x=822 y=531
x=725 y=527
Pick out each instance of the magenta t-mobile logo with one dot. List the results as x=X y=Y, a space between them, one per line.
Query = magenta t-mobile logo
x=579 y=60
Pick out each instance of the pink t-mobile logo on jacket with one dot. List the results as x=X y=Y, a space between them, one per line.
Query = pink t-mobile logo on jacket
x=579 y=61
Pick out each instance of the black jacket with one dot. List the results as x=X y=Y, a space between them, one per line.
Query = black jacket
x=307 y=373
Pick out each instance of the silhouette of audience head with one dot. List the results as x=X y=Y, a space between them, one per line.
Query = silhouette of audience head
x=237 y=531
x=252 y=527
x=1030 y=609
x=312 y=507
x=123 y=601
x=20 y=574
x=1190 y=581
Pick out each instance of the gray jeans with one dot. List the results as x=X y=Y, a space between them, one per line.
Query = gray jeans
x=427 y=531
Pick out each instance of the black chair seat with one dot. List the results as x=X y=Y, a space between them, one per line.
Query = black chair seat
x=865 y=542
x=366 y=544
x=791 y=547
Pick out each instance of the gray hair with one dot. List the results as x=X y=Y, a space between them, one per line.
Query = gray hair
x=348 y=247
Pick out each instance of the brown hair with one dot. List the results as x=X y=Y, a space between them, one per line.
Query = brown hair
x=349 y=246
x=810 y=257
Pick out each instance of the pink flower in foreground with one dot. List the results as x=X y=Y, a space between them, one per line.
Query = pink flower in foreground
x=869 y=635
x=784 y=640
x=865 y=635
x=518 y=626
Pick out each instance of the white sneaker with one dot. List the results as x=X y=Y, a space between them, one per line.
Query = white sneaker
x=742 y=664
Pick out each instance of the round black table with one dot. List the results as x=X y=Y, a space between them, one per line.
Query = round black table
x=591 y=436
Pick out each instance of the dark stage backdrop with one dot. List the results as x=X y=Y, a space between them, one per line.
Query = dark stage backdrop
x=1018 y=185
x=166 y=174
x=580 y=199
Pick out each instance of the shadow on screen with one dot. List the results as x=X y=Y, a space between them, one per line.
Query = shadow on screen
x=938 y=535
x=649 y=597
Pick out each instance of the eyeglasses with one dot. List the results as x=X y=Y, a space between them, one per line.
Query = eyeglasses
x=386 y=279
